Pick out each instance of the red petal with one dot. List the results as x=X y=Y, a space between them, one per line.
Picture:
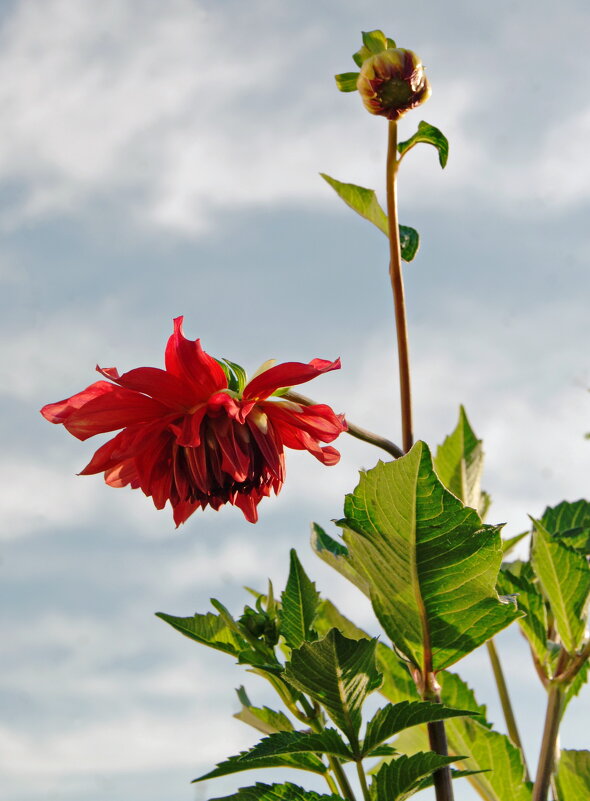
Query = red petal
x=60 y=411
x=287 y=375
x=319 y=420
x=248 y=506
x=298 y=439
x=269 y=447
x=159 y=384
x=112 y=410
x=187 y=360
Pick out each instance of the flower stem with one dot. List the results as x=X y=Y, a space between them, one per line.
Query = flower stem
x=505 y=701
x=354 y=431
x=397 y=286
x=437 y=737
x=363 y=781
x=555 y=703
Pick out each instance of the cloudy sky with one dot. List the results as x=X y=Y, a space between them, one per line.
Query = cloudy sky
x=160 y=159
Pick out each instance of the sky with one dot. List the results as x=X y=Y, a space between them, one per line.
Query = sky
x=159 y=159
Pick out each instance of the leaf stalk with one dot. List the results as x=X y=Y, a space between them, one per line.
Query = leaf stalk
x=555 y=704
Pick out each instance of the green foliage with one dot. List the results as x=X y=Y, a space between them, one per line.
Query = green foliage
x=261 y=718
x=459 y=463
x=364 y=202
x=573 y=775
x=518 y=578
x=373 y=42
x=564 y=576
x=327 y=741
x=208 y=629
x=402 y=777
x=393 y=718
x=338 y=673
x=430 y=562
x=431 y=136
x=336 y=555
x=276 y=792
x=238 y=764
x=346 y=81
x=299 y=604
x=570 y=522
x=509 y=544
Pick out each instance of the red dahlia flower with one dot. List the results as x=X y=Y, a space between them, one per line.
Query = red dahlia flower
x=196 y=434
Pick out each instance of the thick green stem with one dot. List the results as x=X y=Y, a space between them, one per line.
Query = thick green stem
x=555 y=702
x=505 y=701
x=354 y=431
x=363 y=781
x=397 y=286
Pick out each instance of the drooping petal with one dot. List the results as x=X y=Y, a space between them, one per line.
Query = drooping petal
x=248 y=506
x=318 y=420
x=187 y=360
x=60 y=411
x=158 y=384
x=300 y=440
x=268 y=441
x=287 y=374
x=112 y=410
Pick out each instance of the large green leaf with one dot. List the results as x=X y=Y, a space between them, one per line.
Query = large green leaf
x=263 y=719
x=402 y=777
x=431 y=136
x=494 y=752
x=237 y=764
x=518 y=578
x=364 y=202
x=276 y=792
x=393 y=718
x=431 y=563
x=339 y=673
x=335 y=554
x=299 y=603
x=459 y=463
x=573 y=776
x=327 y=741
x=571 y=521
x=209 y=629
x=564 y=576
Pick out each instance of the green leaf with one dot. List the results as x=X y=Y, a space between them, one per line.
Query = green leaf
x=237 y=764
x=299 y=603
x=328 y=617
x=573 y=775
x=394 y=718
x=364 y=202
x=491 y=751
x=261 y=718
x=431 y=136
x=431 y=563
x=571 y=521
x=346 y=81
x=564 y=575
x=508 y=545
x=577 y=683
x=459 y=462
x=327 y=741
x=209 y=629
x=456 y=693
x=409 y=242
x=241 y=379
x=276 y=792
x=339 y=673
x=518 y=578
x=373 y=42
x=399 y=779
x=335 y=554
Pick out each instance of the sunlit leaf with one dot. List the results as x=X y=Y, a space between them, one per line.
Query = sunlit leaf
x=518 y=578
x=347 y=81
x=431 y=563
x=207 y=629
x=299 y=603
x=266 y=720
x=336 y=555
x=431 y=136
x=573 y=775
x=564 y=576
x=327 y=741
x=571 y=522
x=237 y=764
x=276 y=792
x=339 y=673
x=459 y=462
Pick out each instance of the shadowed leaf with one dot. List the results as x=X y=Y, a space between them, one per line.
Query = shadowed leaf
x=276 y=792
x=431 y=136
x=299 y=603
x=327 y=741
x=399 y=779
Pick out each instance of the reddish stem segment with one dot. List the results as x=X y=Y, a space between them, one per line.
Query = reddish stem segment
x=397 y=286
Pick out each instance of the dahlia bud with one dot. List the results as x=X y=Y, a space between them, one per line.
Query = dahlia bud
x=392 y=82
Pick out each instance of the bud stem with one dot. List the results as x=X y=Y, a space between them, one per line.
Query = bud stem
x=397 y=286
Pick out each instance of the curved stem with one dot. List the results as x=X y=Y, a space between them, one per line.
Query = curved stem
x=547 y=756
x=354 y=431
x=397 y=286
x=505 y=701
